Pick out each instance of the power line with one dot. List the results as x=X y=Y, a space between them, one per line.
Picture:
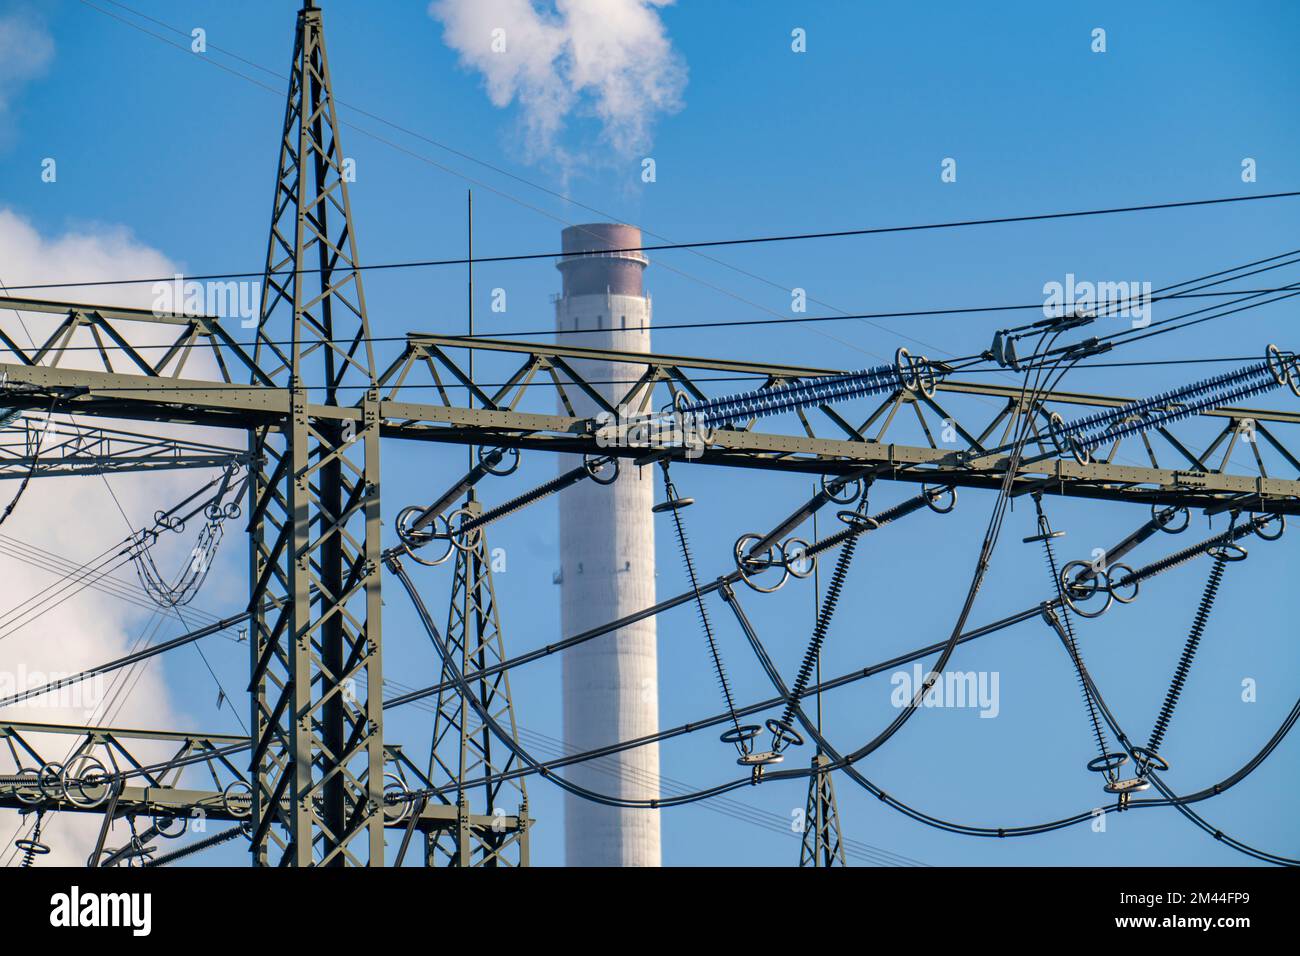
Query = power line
x=502 y=193
x=525 y=181
x=731 y=323
x=158 y=386
x=699 y=244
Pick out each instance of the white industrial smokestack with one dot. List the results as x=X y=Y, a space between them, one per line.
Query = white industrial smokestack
x=607 y=566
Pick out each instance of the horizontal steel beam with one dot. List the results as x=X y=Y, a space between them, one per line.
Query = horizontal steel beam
x=211 y=805
x=152 y=798
x=781 y=371
x=130 y=396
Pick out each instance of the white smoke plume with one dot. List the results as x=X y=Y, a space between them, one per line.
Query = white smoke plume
x=610 y=59
x=26 y=50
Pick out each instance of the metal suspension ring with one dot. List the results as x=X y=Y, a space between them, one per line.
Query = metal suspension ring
x=50 y=779
x=858 y=522
x=925 y=374
x=1107 y=762
x=930 y=501
x=1054 y=425
x=513 y=467
x=1099 y=583
x=783 y=734
x=234 y=795
x=160 y=826
x=31 y=846
x=109 y=853
x=215 y=511
x=396 y=796
x=1113 y=579
x=679 y=409
x=414 y=540
x=747 y=563
x=1064 y=443
x=1165 y=523
x=1229 y=551
x=89 y=771
x=741 y=735
x=791 y=561
x=842 y=486
x=459 y=539
x=903 y=360
x=1277 y=364
x=1293 y=375
x=1147 y=758
x=169 y=523
x=29 y=796
x=595 y=466
x=1281 y=528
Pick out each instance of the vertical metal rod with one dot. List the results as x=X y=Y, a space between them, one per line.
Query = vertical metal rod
x=469 y=275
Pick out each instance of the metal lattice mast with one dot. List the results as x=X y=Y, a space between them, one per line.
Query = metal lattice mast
x=463 y=748
x=822 y=845
x=316 y=707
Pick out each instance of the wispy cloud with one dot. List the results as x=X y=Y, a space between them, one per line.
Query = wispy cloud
x=609 y=59
x=26 y=50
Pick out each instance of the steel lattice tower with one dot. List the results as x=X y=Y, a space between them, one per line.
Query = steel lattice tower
x=462 y=748
x=822 y=843
x=317 y=722
x=311 y=771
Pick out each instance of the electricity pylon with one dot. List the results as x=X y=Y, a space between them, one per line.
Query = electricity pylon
x=822 y=844
x=311 y=400
x=463 y=748
x=317 y=718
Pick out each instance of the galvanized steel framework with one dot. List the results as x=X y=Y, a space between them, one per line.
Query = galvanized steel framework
x=315 y=533
x=316 y=406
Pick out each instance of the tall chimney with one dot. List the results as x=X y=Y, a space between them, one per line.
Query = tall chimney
x=607 y=565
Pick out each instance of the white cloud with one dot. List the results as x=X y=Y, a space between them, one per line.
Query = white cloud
x=78 y=518
x=611 y=59
x=26 y=50
x=81 y=255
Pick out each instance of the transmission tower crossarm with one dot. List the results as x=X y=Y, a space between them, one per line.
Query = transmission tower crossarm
x=151 y=787
x=1187 y=481
x=313 y=782
x=42 y=446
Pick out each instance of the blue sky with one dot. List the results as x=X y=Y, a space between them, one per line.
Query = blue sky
x=181 y=153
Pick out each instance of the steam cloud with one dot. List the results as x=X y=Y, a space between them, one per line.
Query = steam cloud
x=610 y=59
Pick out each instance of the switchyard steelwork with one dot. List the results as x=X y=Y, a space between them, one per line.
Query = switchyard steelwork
x=315 y=782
